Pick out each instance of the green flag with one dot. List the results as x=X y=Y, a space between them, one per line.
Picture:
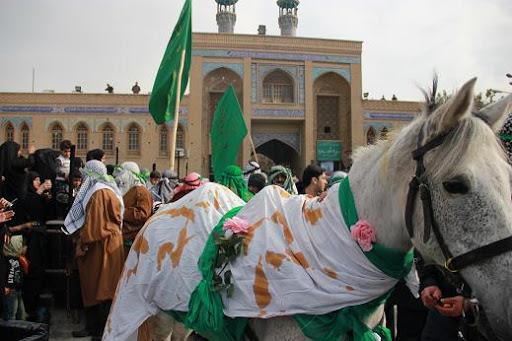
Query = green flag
x=228 y=131
x=163 y=97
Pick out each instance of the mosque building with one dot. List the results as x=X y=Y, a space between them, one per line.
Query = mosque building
x=301 y=97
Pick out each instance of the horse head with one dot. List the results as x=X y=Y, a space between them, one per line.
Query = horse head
x=459 y=200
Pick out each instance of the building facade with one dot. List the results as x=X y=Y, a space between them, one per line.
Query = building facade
x=301 y=98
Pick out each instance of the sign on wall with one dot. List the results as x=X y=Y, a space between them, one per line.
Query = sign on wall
x=328 y=150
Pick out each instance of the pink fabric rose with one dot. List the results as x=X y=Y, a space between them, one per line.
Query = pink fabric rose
x=364 y=233
x=236 y=225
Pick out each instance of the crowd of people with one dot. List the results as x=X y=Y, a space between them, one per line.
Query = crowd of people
x=104 y=207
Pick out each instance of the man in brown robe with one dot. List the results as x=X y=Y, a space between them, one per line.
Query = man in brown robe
x=138 y=202
x=97 y=214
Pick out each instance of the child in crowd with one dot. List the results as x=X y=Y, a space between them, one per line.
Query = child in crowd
x=62 y=170
x=17 y=265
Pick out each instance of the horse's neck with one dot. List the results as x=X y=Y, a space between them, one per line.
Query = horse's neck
x=379 y=198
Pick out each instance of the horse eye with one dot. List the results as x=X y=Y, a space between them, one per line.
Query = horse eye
x=456 y=186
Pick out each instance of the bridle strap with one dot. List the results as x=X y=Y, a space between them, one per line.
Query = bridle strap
x=478 y=255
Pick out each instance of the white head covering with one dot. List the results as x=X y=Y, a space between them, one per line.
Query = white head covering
x=251 y=168
x=95 y=178
x=128 y=176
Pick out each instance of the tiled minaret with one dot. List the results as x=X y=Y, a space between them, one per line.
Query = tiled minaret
x=288 y=19
x=226 y=16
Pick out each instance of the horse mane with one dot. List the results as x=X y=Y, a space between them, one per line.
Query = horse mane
x=432 y=102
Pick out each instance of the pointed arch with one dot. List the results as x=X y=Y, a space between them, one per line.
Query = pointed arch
x=9 y=131
x=25 y=136
x=57 y=134
x=278 y=87
x=371 y=136
x=108 y=138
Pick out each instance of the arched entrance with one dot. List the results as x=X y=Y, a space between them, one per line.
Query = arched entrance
x=332 y=119
x=279 y=153
x=214 y=85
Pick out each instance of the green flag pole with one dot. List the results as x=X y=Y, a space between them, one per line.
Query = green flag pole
x=253 y=149
x=176 y=112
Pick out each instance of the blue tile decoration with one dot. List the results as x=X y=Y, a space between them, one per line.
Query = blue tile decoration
x=291 y=139
x=277 y=56
x=80 y=110
x=24 y=109
x=319 y=71
x=254 y=83
x=278 y=113
x=238 y=68
x=302 y=89
x=16 y=121
x=389 y=116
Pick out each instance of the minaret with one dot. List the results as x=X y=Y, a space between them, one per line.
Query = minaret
x=226 y=16
x=288 y=19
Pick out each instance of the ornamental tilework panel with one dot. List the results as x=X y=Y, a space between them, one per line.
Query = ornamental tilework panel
x=254 y=83
x=277 y=56
x=238 y=68
x=81 y=110
x=389 y=116
x=319 y=71
x=16 y=121
x=278 y=113
x=301 y=84
x=291 y=139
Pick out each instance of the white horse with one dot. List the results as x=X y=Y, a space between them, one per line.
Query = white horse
x=463 y=174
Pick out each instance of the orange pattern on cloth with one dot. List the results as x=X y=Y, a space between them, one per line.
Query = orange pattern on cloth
x=167 y=249
x=260 y=287
x=250 y=234
x=331 y=273
x=274 y=259
x=278 y=218
x=182 y=211
x=298 y=258
x=203 y=204
x=164 y=249
x=312 y=216
x=140 y=245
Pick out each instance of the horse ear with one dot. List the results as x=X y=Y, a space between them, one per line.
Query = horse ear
x=495 y=114
x=457 y=107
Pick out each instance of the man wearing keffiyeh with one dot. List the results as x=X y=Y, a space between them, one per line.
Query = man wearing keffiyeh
x=97 y=214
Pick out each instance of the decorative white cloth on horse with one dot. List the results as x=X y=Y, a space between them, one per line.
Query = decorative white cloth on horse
x=298 y=258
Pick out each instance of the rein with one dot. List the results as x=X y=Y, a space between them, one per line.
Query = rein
x=419 y=183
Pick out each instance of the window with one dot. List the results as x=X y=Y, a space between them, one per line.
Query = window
x=57 y=133
x=107 y=139
x=134 y=139
x=164 y=140
x=25 y=136
x=370 y=136
x=278 y=88
x=82 y=137
x=180 y=143
x=9 y=132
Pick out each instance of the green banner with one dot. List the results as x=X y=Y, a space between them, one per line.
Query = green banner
x=328 y=150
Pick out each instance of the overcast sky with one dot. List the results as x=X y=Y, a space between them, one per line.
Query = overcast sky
x=92 y=42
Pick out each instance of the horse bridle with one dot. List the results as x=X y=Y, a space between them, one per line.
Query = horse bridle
x=419 y=182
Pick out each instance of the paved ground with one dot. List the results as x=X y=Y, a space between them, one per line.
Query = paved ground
x=61 y=326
